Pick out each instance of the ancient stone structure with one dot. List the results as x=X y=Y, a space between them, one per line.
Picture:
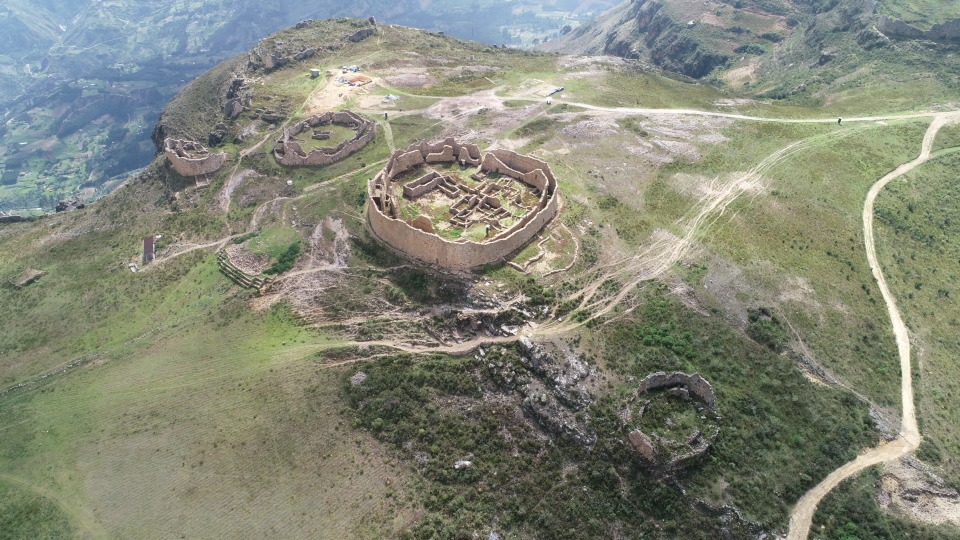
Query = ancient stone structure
x=288 y=151
x=477 y=205
x=259 y=283
x=667 y=455
x=695 y=384
x=191 y=158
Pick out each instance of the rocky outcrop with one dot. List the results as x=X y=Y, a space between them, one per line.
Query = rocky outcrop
x=271 y=58
x=190 y=158
x=288 y=151
x=640 y=29
x=67 y=205
x=945 y=32
x=361 y=35
x=556 y=397
x=238 y=98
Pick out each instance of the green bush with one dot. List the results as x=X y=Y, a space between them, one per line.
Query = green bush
x=286 y=261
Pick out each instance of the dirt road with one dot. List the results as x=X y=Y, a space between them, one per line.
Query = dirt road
x=909 y=438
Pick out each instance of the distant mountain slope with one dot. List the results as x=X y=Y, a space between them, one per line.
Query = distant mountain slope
x=759 y=41
x=82 y=81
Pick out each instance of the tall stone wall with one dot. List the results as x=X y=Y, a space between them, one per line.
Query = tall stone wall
x=528 y=169
x=462 y=255
x=190 y=158
x=446 y=151
x=288 y=152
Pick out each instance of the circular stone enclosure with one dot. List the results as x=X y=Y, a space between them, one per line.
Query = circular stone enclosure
x=445 y=204
x=672 y=420
x=313 y=132
x=191 y=158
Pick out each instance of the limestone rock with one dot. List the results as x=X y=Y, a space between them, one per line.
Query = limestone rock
x=361 y=35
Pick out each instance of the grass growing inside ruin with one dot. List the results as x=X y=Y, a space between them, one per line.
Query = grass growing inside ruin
x=670 y=417
x=339 y=134
x=918 y=242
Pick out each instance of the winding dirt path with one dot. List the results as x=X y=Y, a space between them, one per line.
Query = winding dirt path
x=909 y=437
x=734 y=116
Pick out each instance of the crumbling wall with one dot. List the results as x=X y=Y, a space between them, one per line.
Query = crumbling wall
x=421 y=186
x=416 y=155
x=462 y=255
x=528 y=169
x=654 y=449
x=695 y=384
x=190 y=158
x=288 y=152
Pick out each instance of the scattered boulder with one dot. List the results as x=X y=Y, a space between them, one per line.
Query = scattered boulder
x=70 y=204
x=361 y=35
x=218 y=135
x=28 y=277
x=306 y=53
x=358 y=378
x=238 y=98
x=247 y=133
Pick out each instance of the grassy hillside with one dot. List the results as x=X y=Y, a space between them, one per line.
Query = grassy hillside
x=919 y=217
x=805 y=53
x=920 y=13
x=174 y=402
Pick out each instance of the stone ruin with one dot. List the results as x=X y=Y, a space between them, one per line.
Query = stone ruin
x=667 y=455
x=289 y=152
x=190 y=158
x=510 y=195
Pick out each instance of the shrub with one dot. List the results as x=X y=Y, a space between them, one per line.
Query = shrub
x=286 y=260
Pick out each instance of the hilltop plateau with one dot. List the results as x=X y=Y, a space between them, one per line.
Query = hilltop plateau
x=713 y=322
